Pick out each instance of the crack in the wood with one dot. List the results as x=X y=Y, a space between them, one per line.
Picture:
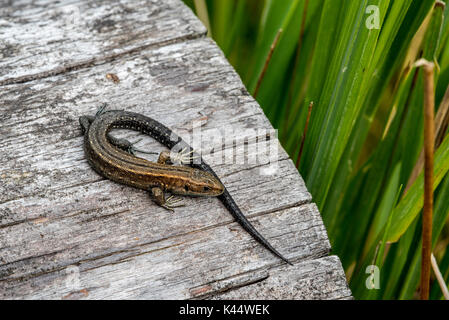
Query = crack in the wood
x=320 y=254
x=25 y=277
x=76 y=185
x=230 y=287
x=129 y=257
x=105 y=216
x=83 y=64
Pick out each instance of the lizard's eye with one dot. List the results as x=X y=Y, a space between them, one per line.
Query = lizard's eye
x=186 y=188
x=206 y=188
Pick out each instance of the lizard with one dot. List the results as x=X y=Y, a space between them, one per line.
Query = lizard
x=114 y=158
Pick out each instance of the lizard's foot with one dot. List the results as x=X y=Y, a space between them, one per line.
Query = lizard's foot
x=102 y=109
x=170 y=201
x=183 y=157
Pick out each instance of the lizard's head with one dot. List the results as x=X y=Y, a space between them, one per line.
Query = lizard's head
x=200 y=183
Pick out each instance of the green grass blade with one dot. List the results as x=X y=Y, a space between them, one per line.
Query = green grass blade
x=383 y=222
x=385 y=208
x=409 y=207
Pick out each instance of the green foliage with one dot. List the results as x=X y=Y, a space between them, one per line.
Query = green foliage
x=365 y=133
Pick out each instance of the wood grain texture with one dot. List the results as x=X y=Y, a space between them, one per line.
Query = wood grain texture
x=67 y=233
x=42 y=38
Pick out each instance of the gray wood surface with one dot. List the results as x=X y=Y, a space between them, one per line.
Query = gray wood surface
x=42 y=38
x=67 y=233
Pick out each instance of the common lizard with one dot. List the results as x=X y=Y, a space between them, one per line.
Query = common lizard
x=114 y=159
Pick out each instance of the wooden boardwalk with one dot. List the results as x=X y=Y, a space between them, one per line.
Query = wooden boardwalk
x=67 y=233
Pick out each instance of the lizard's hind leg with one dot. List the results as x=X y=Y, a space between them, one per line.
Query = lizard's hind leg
x=85 y=122
x=126 y=145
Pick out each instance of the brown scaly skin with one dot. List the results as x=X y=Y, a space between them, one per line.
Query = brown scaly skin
x=113 y=158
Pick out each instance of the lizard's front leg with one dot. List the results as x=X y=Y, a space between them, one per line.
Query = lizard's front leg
x=159 y=198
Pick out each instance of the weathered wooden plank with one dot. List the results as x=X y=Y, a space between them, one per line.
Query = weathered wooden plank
x=56 y=212
x=41 y=38
x=169 y=268
x=311 y=279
